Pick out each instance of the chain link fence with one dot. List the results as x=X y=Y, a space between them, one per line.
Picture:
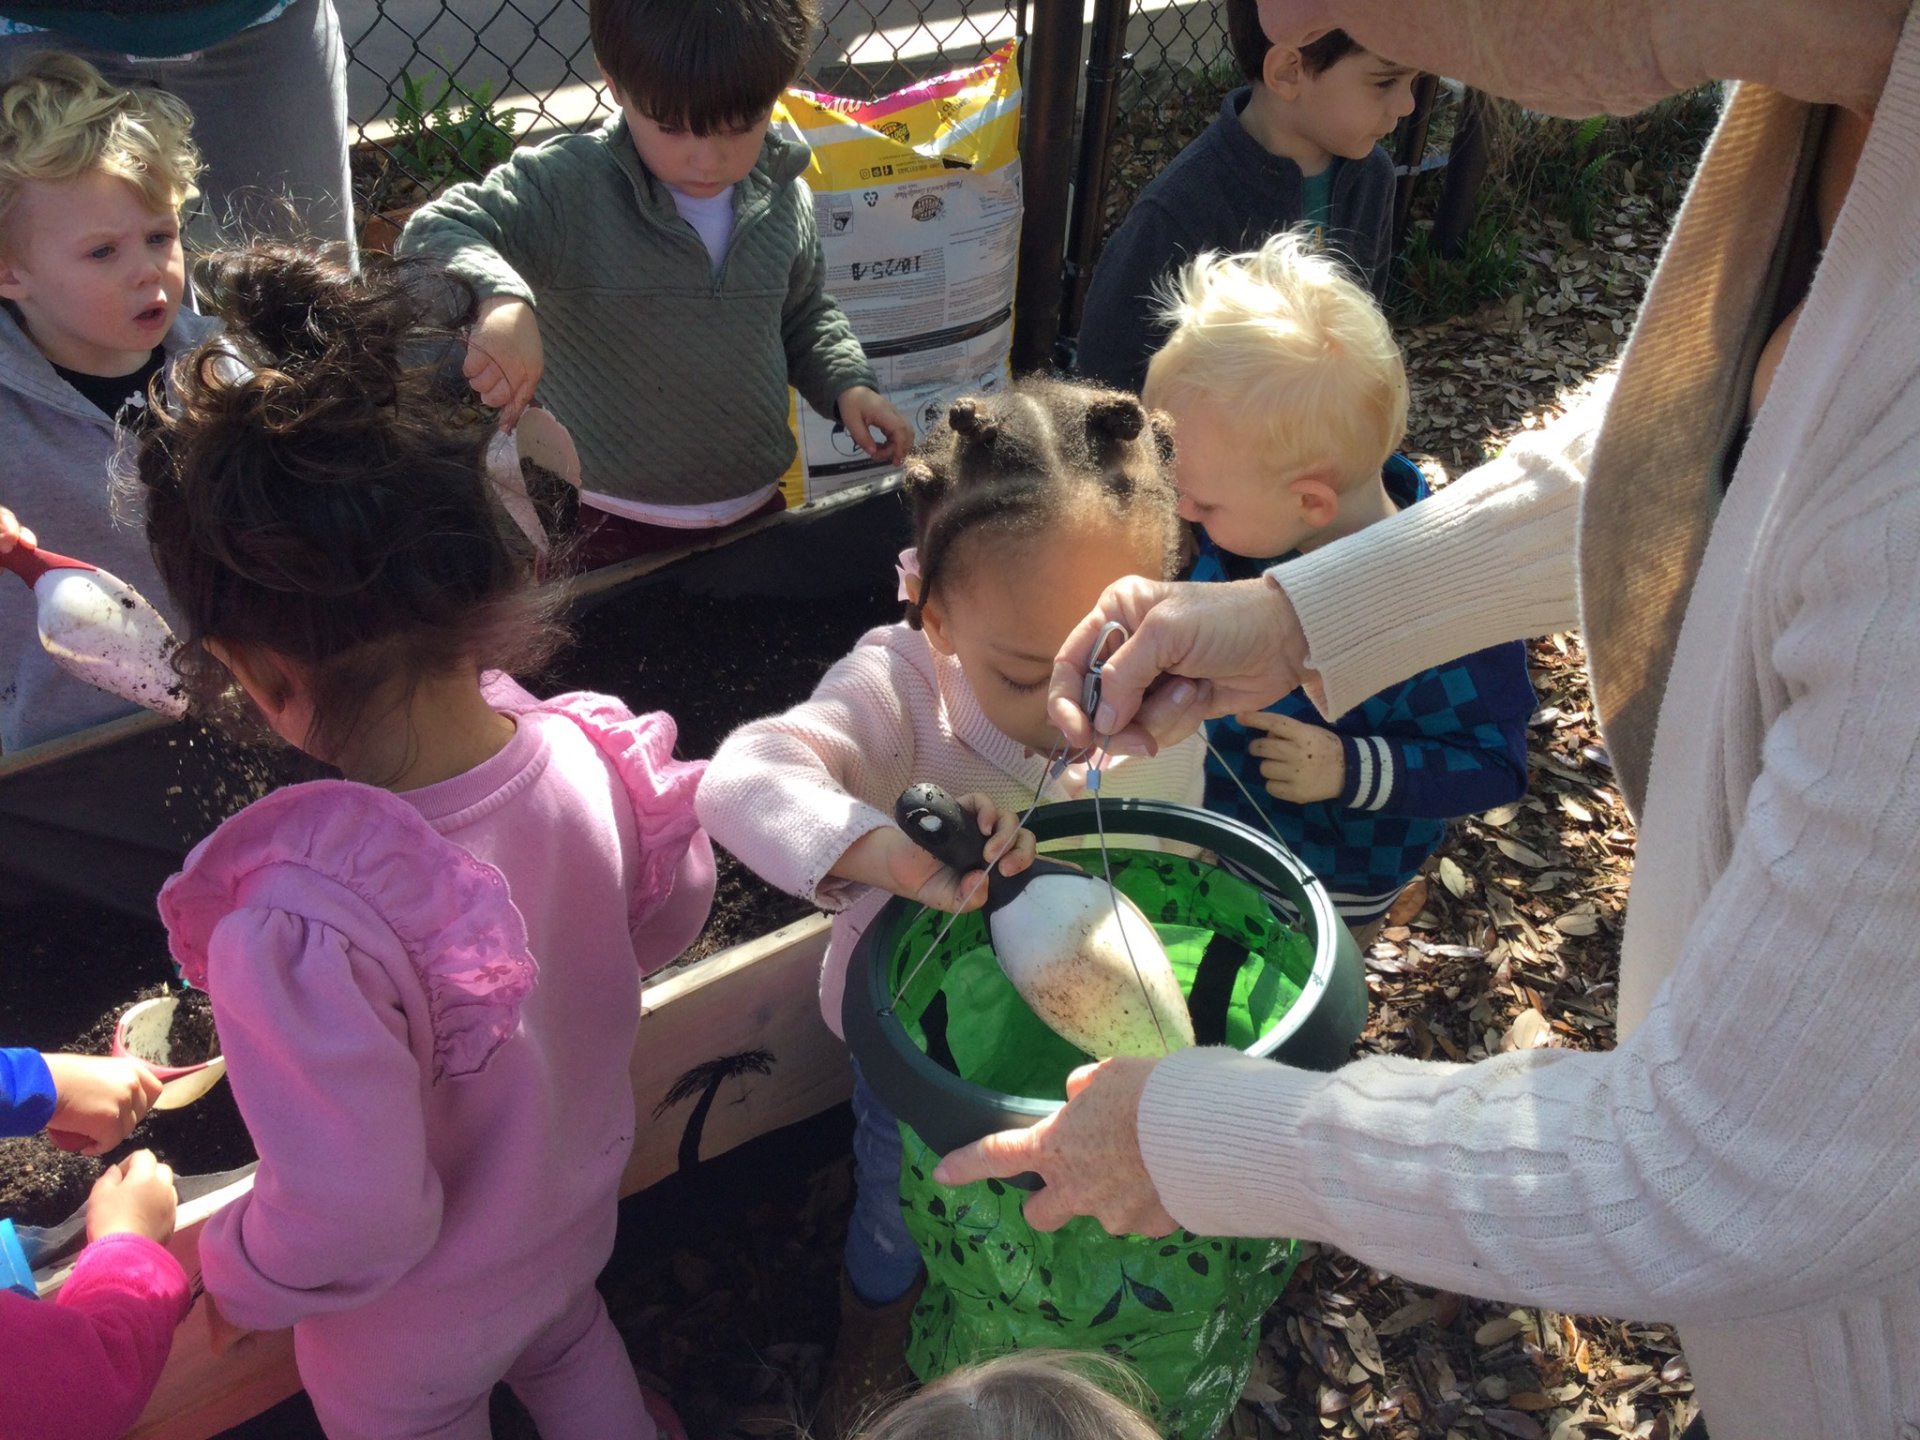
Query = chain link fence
x=1181 y=68
x=441 y=90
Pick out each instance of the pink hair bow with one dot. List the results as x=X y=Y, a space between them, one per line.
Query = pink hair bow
x=908 y=567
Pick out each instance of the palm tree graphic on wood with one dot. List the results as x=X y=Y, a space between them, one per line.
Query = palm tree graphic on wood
x=705 y=1081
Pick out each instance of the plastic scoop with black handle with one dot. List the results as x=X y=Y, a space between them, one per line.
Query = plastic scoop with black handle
x=1085 y=959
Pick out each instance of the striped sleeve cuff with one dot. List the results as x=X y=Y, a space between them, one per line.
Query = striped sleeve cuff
x=1373 y=770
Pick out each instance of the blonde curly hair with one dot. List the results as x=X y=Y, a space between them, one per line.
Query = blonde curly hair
x=1028 y=1395
x=59 y=119
x=1290 y=351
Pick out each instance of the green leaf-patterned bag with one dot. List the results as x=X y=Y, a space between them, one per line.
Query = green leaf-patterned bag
x=1184 y=1311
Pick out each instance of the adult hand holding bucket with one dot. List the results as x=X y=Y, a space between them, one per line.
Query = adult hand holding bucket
x=95 y=625
x=1087 y=1153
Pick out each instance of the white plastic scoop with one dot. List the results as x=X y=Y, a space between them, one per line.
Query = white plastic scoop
x=99 y=628
x=1082 y=955
x=145 y=1033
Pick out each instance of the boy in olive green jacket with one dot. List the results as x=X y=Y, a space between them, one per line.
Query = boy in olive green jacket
x=674 y=264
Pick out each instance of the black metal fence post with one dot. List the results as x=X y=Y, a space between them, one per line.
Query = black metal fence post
x=1052 y=86
x=1409 y=149
x=1107 y=62
x=1466 y=169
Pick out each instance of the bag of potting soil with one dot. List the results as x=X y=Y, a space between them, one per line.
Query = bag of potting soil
x=1184 y=1311
x=917 y=195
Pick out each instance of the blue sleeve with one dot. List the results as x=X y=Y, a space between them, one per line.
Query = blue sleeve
x=1468 y=748
x=26 y=1092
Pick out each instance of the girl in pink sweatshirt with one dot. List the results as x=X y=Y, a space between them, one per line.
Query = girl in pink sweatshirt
x=1026 y=506
x=427 y=975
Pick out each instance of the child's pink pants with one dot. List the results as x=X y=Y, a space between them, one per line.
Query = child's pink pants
x=575 y=1378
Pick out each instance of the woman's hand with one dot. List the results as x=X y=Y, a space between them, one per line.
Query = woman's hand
x=886 y=858
x=1192 y=652
x=135 y=1197
x=1088 y=1152
x=98 y=1099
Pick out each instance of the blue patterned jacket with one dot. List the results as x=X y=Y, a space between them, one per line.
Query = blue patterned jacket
x=1450 y=741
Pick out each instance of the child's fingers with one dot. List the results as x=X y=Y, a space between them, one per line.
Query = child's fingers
x=478 y=358
x=147 y=1084
x=487 y=381
x=1019 y=855
x=862 y=434
x=986 y=814
x=899 y=433
x=1272 y=723
x=1277 y=747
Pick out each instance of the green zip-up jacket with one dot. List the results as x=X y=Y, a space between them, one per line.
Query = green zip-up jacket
x=672 y=379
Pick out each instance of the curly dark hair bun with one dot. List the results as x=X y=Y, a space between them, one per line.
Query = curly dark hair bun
x=317 y=485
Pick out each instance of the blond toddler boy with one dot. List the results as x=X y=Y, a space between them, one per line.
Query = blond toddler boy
x=1288 y=397
x=92 y=280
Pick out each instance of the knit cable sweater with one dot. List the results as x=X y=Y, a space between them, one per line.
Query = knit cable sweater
x=1746 y=1164
x=789 y=793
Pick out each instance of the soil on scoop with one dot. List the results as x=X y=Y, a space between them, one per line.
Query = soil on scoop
x=70 y=968
x=191 y=1037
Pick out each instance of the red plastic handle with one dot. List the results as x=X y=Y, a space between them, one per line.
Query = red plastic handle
x=30 y=562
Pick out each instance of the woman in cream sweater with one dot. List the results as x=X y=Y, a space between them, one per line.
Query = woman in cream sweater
x=1736 y=530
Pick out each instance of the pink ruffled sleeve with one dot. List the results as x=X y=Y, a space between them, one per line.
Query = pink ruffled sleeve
x=673 y=885
x=450 y=912
x=321 y=1060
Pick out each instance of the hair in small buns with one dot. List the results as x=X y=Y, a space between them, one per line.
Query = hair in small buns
x=1011 y=463
x=1029 y=1395
x=317 y=486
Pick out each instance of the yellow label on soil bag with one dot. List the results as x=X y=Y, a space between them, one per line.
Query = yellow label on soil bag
x=917 y=195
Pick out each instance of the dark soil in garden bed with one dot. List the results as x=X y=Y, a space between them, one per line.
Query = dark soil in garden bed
x=71 y=968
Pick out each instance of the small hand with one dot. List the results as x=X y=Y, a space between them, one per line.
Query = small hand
x=11 y=530
x=98 y=1099
x=1088 y=1152
x=1300 y=762
x=864 y=410
x=886 y=858
x=135 y=1197
x=505 y=357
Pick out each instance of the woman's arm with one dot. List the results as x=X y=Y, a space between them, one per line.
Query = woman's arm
x=1490 y=558
x=1746 y=1148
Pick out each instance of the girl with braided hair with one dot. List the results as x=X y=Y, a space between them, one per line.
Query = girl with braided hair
x=1026 y=505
